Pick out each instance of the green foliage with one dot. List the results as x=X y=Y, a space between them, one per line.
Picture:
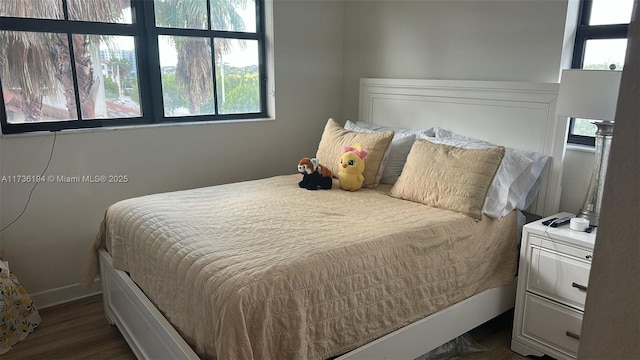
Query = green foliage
x=120 y=68
x=584 y=127
x=135 y=92
x=603 y=66
x=174 y=96
x=239 y=93
x=110 y=88
x=242 y=90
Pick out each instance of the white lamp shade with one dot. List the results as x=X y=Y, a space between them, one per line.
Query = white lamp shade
x=589 y=94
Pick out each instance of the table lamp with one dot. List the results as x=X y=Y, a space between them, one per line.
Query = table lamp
x=593 y=95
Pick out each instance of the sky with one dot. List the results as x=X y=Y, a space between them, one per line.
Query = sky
x=611 y=12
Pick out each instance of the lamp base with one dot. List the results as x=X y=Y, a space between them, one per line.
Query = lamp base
x=590 y=209
x=593 y=217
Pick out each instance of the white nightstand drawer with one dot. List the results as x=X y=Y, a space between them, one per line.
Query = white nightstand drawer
x=554 y=325
x=557 y=246
x=558 y=276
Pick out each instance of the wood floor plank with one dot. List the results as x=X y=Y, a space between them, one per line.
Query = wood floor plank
x=76 y=330
x=79 y=330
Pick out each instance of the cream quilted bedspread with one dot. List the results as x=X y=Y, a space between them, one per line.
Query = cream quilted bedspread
x=266 y=270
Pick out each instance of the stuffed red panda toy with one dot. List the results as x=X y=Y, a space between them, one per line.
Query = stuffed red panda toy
x=314 y=175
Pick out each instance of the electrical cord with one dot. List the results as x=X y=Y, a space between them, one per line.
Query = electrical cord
x=546 y=233
x=547 y=228
x=53 y=145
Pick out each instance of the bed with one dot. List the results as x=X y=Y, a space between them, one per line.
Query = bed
x=294 y=273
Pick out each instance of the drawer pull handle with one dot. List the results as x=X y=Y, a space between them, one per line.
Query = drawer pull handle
x=589 y=257
x=572 y=335
x=579 y=287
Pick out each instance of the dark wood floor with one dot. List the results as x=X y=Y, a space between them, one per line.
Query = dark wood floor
x=76 y=330
x=79 y=330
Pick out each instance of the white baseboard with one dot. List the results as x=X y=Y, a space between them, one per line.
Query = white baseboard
x=64 y=294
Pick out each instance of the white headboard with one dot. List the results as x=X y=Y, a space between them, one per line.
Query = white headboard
x=519 y=115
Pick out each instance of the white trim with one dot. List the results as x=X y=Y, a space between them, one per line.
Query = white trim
x=147 y=332
x=134 y=127
x=270 y=58
x=582 y=148
x=426 y=334
x=64 y=294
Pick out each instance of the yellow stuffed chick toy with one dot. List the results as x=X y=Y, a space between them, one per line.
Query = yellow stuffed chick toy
x=351 y=168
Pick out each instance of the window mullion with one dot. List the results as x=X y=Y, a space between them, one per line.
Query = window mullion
x=59 y=26
x=151 y=89
x=3 y=110
x=215 y=82
x=603 y=31
x=262 y=53
x=214 y=71
x=585 y=12
x=65 y=10
x=209 y=15
x=207 y=33
x=74 y=75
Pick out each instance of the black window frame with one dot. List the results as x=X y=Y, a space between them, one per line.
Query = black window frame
x=584 y=33
x=146 y=34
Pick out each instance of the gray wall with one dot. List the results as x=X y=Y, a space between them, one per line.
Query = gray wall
x=471 y=40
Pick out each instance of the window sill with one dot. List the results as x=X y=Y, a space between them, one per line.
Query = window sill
x=131 y=127
x=583 y=148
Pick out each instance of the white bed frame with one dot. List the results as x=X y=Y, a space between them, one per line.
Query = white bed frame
x=513 y=114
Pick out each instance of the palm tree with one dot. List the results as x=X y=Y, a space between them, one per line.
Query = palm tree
x=193 y=70
x=26 y=62
x=37 y=64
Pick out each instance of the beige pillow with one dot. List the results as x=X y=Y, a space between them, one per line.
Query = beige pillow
x=448 y=177
x=335 y=138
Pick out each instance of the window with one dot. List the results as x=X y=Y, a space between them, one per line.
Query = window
x=601 y=40
x=68 y=64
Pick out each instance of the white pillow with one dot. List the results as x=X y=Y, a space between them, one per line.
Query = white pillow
x=396 y=130
x=396 y=155
x=533 y=182
x=526 y=186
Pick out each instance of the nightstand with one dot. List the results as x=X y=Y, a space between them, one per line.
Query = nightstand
x=552 y=287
